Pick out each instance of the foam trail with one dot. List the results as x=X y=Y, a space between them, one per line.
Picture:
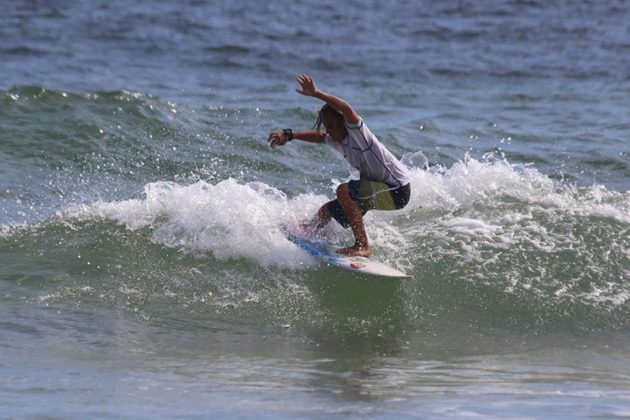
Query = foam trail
x=492 y=180
x=512 y=227
x=229 y=219
x=472 y=206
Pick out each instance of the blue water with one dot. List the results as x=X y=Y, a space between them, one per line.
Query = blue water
x=143 y=267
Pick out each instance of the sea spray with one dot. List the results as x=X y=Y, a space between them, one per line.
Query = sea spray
x=496 y=226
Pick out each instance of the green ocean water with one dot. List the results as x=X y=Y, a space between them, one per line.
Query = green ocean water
x=143 y=268
x=147 y=241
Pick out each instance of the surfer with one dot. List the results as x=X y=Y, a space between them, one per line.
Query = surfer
x=384 y=182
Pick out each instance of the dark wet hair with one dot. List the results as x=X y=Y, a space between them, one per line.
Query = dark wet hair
x=326 y=110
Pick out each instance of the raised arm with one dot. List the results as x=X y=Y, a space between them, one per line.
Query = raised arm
x=309 y=89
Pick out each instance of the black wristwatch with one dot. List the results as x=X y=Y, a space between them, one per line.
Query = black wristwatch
x=289 y=133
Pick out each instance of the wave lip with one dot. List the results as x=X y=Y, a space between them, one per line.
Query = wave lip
x=497 y=243
x=228 y=219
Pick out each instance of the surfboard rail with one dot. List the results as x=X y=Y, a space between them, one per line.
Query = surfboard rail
x=324 y=252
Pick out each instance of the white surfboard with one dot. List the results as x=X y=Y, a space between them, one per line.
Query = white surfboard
x=363 y=265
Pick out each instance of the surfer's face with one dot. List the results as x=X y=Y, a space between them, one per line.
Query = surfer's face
x=334 y=126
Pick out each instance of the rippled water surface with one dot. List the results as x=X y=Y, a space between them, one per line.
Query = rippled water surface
x=143 y=268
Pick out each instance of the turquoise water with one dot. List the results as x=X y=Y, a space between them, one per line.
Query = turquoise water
x=143 y=268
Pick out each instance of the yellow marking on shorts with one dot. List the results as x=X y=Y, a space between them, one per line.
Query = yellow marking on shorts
x=375 y=196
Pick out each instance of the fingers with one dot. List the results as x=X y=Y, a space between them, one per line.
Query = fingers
x=275 y=140
x=305 y=80
x=307 y=83
x=301 y=79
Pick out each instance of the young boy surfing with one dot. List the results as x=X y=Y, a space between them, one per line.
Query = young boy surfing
x=384 y=182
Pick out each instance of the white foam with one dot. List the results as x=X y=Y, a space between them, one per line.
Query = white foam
x=470 y=182
x=486 y=211
x=229 y=219
x=489 y=203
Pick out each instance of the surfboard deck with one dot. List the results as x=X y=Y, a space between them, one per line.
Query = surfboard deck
x=326 y=253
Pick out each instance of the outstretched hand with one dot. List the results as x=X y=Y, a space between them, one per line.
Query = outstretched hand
x=277 y=138
x=308 y=85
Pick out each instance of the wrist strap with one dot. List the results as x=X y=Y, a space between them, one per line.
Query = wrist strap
x=289 y=133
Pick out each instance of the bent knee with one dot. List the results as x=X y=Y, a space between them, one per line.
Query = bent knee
x=343 y=191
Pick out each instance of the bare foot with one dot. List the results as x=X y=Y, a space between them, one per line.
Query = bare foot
x=356 y=251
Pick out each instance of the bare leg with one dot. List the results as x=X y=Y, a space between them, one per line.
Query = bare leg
x=315 y=225
x=353 y=213
x=323 y=217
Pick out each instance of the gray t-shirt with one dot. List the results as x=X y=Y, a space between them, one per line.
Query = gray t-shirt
x=363 y=151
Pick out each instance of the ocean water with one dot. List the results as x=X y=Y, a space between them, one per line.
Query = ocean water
x=143 y=269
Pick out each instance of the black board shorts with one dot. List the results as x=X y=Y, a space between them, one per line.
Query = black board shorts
x=371 y=195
